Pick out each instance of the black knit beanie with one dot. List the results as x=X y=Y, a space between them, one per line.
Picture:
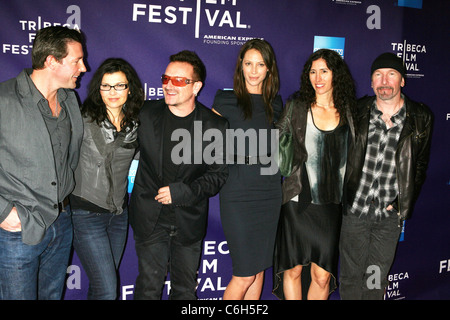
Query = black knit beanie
x=388 y=60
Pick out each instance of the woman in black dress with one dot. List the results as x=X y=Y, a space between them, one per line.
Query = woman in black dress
x=250 y=200
x=310 y=220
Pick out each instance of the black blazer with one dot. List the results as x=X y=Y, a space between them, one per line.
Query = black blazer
x=194 y=183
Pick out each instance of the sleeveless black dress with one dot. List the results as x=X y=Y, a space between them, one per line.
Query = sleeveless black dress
x=250 y=202
x=309 y=225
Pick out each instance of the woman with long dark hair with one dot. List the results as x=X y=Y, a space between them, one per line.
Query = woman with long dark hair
x=99 y=200
x=310 y=219
x=250 y=200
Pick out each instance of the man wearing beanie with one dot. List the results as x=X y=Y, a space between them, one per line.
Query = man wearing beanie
x=385 y=171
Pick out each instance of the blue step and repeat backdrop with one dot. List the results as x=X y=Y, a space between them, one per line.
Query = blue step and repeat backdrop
x=147 y=32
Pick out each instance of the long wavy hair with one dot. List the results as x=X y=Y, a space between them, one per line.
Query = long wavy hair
x=344 y=93
x=271 y=83
x=95 y=108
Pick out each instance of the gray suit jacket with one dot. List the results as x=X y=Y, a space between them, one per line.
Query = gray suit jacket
x=28 y=178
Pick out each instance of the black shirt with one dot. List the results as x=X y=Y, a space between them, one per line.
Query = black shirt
x=170 y=166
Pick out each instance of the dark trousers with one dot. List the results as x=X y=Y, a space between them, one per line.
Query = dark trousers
x=367 y=251
x=162 y=253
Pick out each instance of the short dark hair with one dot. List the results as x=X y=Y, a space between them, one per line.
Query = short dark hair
x=95 y=108
x=193 y=59
x=52 y=41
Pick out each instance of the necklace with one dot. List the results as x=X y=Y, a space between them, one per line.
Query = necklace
x=386 y=117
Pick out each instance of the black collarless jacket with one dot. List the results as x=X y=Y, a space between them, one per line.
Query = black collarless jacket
x=411 y=156
x=193 y=185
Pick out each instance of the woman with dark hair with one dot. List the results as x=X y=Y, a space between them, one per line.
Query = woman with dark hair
x=250 y=200
x=310 y=219
x=99 y=200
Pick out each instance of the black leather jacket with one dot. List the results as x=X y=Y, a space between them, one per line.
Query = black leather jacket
x=292 y=185
x=411 y=157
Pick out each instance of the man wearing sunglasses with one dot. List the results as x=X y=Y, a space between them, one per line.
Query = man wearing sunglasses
x=169 y=203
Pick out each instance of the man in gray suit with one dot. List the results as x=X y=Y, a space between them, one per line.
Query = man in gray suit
x=40 y=137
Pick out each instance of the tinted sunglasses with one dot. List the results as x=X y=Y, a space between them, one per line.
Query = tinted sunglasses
x=176 y=81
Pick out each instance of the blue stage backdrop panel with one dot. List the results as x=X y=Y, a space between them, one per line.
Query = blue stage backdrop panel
x=147 y=32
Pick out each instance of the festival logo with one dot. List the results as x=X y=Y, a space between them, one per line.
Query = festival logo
x=411 y=54
x=73 y=21
x=216 y=13
x=203 y=16
x=394 y=289
x=444 y=266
